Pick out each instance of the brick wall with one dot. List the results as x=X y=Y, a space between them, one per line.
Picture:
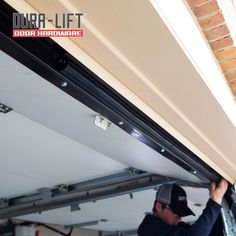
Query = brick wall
x=212 y=23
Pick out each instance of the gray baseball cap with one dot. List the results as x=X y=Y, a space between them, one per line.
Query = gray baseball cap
x=175 y=197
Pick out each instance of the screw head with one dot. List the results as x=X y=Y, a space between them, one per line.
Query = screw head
x=64 y=84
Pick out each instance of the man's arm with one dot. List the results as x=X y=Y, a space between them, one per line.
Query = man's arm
x=205 y=222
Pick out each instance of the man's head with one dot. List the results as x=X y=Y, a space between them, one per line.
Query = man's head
x=171 y=203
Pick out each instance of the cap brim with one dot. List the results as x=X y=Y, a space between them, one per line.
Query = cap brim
x=182 y=211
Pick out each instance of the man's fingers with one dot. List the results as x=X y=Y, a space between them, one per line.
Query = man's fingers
x=217 y=191
x=223 y=184
x=213 y=186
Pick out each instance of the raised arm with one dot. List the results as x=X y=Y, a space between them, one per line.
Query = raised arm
x=217 y=191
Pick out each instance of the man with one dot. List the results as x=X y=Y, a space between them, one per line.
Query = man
x=171 y=204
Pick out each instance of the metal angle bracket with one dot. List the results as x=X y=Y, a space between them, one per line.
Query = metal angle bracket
x=4 y=202
x=75 y=207
x=45 y=193
x=4 y=108
x=83 y=224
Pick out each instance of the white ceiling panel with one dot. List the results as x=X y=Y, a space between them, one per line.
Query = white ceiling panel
x=50 y=138
x=37 y=157
x=33 y=97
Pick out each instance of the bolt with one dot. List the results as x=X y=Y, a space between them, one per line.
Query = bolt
x=64 y=84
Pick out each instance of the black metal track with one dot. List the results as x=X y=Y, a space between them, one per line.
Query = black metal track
x=51 y=62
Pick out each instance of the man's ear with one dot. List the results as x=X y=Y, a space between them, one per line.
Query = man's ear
x=158 y=206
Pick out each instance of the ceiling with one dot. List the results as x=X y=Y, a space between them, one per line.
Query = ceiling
x=50 y=139
x=141 y=56
x=41 y=110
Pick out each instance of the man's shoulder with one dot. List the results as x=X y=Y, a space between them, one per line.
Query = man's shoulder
x=151 y=225
x=183 y=224
x=150 y=218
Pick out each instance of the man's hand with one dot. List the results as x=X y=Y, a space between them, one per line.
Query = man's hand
x=217 y=191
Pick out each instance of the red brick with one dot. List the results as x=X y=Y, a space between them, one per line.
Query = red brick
x=212 y=21
x=221 y=43
x=228 y=65
x=232 y=84
x=216 y=33
x=205 y=9
x=226 y=54
x=193 y=3
x=231 y=75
